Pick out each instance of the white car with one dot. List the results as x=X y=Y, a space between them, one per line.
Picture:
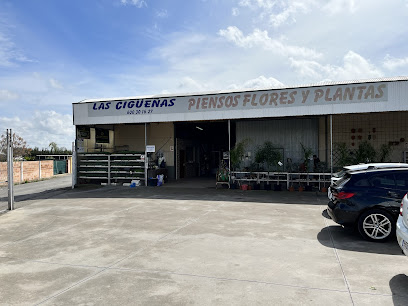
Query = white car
x=342 y=172
x=402 y=226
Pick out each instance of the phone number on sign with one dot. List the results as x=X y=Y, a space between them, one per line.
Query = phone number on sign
x=139 y=112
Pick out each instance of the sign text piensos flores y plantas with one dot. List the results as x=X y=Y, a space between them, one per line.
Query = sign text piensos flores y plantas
x=312 y=96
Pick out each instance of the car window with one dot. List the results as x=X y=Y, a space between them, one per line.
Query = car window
x=344 y=179
x=382 y=181
x=401 y=180
x=362 y=183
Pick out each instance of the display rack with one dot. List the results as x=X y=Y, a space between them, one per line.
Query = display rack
x=111 y=168
x=301 y=178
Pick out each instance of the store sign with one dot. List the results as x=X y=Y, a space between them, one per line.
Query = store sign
x=150 y=148
x=311 y=96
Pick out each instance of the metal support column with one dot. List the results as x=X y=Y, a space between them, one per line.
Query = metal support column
x=331 y=145
x=74 y=164
x=176 y=160
x=229 y=151
x=146 y=159
x=10 y=178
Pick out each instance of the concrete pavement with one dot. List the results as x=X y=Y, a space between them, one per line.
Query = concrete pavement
x=182 y=246
x=25 y=193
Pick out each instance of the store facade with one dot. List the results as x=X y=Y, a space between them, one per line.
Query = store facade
x=189 y=135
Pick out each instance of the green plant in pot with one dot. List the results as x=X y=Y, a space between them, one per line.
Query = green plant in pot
x=384 y=153
x=237 y=153
x=307 y=154
x=343 y=153
x=365 y=153
x=270 y=155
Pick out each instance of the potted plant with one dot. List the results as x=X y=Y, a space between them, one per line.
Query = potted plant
x=307 y=154
x=237 y=153
x=270 y=155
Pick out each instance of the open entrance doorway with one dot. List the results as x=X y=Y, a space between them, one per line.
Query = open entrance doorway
x=200 y=147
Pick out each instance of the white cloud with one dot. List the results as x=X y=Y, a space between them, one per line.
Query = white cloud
x=137 y=3
x=278 y=12
x=354 y=67
x=187 y=84
x=260 y=82
x=55 y=84
x=392 y=63
x=289 y=13
x=235 y=11
x=10 y=55
x=162 y=13
x=337 y=6
x=6 y=95
x=261 y=39
x=42 y=128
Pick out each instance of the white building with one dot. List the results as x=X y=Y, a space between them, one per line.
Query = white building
x=193 y=131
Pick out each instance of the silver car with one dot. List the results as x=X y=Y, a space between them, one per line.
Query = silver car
x=402 y=226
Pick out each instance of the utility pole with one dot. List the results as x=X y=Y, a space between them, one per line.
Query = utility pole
x=10 y=169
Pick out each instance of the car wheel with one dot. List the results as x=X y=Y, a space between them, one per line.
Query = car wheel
x=376 y=225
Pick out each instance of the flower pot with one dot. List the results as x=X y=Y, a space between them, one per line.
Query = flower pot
x=324 y=189
x=244 y=187
x=291 y=188
x=301 y=188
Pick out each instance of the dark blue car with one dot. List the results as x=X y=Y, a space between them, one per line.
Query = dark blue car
x=369 y=200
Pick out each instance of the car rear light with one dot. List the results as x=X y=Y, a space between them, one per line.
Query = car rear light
x=344 y=195
x=402 y=204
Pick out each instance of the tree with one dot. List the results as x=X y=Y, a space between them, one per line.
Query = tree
x=53 y=147
x=20 y=148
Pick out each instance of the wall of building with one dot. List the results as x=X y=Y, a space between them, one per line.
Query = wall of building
x=376 y=128
x=90 y=145
x=288 y=134
x=162 y=136
x=132 y=138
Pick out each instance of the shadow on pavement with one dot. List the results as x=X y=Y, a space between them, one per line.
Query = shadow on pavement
x=349 y=240
x=399 y=286
x=203 y=194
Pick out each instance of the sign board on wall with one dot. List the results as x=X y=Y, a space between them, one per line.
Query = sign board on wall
x=150 y=148
x=384 y=95
x=280 y=98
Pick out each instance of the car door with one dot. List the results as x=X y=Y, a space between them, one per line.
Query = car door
x=382 y=191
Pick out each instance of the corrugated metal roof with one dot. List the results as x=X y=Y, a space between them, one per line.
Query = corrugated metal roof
x=324 y=83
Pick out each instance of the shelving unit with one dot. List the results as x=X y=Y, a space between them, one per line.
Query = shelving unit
x=127 y=167
x=93 y=167
x=289 y=178
x=109 y=168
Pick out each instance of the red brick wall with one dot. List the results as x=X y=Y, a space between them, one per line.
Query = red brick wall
x=30 y=170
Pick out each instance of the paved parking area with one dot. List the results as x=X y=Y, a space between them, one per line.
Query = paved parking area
x=183 y=246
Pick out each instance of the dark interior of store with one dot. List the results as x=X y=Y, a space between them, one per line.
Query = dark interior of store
x=201 y=146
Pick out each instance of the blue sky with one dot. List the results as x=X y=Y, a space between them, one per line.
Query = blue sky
x=54 y=53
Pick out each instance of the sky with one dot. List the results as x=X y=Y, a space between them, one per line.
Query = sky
x=55 y=53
